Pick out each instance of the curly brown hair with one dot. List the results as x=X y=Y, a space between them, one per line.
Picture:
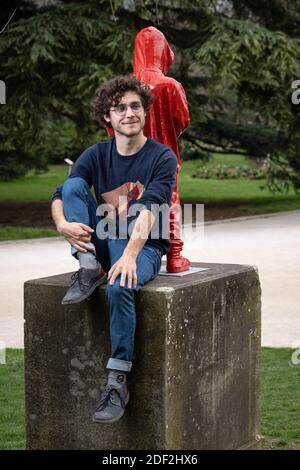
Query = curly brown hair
x=111 y=92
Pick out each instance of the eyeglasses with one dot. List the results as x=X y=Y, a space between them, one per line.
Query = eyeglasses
x=121 y=109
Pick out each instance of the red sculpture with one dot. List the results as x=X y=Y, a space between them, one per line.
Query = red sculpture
x=166 y=120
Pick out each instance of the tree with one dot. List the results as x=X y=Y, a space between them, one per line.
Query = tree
x=236 y=59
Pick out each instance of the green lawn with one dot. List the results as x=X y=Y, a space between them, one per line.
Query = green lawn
x=248 y=197
x=280 y=407
x=12 y=411
x=280 y=402
x=251 y=195
x=34 y=187
x=23 y=233
x=248 y=194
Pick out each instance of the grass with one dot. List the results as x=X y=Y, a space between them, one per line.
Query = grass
x=280 y=399
x=280 y=402
x=250 y=193
x=12 y=409
x=22 y=233
x=248 y=197
x=34 y=187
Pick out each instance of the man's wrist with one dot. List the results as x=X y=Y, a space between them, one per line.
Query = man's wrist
x=133 y=252
x=60 y=226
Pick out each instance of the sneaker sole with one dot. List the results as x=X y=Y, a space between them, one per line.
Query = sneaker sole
x=80 y=299
x=113 y=420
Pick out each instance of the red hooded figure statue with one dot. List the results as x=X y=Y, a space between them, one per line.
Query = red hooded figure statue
x=166 y=120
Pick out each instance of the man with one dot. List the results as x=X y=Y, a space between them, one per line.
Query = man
x=166 y=120
x=127 y=168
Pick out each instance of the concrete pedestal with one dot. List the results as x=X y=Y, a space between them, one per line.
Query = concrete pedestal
x=195 y=377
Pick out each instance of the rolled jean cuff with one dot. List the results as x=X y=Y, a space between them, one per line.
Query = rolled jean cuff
x=119 y=364
x=74 y=251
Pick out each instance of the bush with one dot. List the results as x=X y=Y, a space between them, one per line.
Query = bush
x=222 y=172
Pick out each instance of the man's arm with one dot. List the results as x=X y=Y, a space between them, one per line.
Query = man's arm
x=77 y=234
x=126 y=265
x=159 y=191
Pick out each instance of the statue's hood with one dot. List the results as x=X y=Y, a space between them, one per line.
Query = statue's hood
x=151 y=51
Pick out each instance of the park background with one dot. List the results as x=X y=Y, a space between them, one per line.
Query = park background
x=238 y=62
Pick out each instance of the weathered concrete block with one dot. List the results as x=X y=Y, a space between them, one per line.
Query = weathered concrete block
x=195 y=380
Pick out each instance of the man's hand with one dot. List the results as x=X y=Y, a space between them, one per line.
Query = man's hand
x=77 y=234
x=126 y=266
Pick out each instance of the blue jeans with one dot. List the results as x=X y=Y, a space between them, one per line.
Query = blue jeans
x=80 y=206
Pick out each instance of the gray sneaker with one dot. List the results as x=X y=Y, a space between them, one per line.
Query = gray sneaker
x=112 y=404
x=84 y=283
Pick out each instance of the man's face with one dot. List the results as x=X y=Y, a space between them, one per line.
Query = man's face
x=128 y=117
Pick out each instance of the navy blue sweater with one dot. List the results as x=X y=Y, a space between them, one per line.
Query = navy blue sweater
x=146 y=177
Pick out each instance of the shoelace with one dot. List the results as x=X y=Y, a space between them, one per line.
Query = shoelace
x=76 y=276
x=107 y=396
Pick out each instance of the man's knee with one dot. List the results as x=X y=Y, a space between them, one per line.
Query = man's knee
x=115 y=292
x=76 y=186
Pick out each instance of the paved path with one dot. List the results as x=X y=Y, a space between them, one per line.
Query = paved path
x=271 y=243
